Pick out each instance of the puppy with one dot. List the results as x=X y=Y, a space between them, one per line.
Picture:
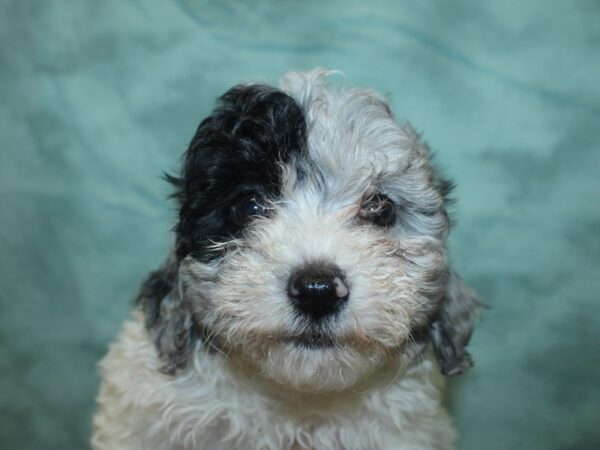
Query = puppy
x=308 y=277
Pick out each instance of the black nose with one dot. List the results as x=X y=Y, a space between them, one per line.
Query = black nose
x=318 y=290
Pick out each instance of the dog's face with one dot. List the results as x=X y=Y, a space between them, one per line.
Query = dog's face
x=311 y=240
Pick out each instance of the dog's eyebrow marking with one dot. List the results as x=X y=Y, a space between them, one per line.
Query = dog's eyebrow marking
x=253 y=130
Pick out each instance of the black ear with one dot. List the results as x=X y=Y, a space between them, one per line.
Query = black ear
x=167 y=317
x=451 y=330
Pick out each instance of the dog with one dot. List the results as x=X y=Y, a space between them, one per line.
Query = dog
x=308 y=301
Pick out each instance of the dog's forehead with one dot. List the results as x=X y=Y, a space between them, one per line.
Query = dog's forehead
x=353 y=142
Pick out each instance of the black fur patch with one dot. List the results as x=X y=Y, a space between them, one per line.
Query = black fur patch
x=235 y=151
x=154 y=289
x=167 y=318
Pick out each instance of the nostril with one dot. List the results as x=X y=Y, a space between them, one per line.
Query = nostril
x=341 y=290
x=294 y=286
x=317 y=289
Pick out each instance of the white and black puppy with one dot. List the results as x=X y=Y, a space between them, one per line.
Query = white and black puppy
x=309 y=274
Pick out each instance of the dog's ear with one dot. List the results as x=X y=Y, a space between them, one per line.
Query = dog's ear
x=168 y=318
x=451 y=330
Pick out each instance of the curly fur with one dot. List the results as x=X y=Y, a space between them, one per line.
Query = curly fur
x=217 y=357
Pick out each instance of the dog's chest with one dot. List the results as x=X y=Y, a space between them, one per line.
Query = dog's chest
x=396 y=416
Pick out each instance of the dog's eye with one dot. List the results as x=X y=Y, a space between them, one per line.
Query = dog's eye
x=379 y=210
x=247 y=207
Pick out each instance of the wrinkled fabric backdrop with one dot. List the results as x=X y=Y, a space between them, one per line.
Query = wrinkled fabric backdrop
x=98 y=98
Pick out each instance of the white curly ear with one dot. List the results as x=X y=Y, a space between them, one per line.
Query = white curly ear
x=451 y=330
x=168 y=318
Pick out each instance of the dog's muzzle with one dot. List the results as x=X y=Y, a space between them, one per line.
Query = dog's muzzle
x=318 y=290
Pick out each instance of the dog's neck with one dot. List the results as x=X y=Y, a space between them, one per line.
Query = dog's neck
x=246 y=379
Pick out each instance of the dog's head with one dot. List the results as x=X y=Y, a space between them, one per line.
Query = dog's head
x=311 y=240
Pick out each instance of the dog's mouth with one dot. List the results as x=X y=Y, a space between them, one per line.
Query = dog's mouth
x=312 y=340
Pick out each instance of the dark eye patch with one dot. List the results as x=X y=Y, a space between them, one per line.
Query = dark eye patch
x=379 y=210
x=246 y=207
x=239 y=149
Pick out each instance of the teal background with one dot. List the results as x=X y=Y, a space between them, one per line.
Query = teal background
x=97 y=98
